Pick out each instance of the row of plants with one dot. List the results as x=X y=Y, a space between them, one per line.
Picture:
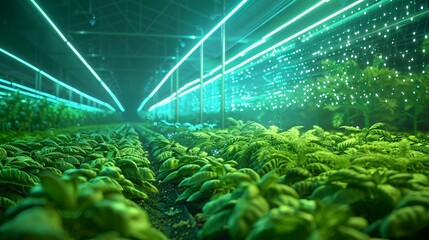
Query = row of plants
x=340 y=89
x=20 y=113
x=243 y=182
x=76 y=185
x=370 y=94
x=252 y=182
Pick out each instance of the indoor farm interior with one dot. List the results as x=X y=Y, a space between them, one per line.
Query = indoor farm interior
x=214 y=119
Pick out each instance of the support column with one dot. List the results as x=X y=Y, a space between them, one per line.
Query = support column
x=202 y=80
x=57 y=90
x=172 y=105
x=155 y=96
x=38 y=81
x=177 y=87
x=222 y=84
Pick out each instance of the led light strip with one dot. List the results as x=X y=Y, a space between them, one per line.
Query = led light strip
x=115 y=99
x=294 y=19
x=38 y=94
x=286 y=40
x=189 y=53
x=56 y=80
x=260 y=42
x=165 y=101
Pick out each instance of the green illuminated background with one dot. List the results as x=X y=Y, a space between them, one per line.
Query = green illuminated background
x=332 y=67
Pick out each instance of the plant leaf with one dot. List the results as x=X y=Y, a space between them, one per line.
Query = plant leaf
x=16 y=177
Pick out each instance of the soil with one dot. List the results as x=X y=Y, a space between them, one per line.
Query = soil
x=174 y=220
x=171 y=218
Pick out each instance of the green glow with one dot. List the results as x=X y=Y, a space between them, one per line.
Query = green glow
x=115 y=99
x=189 y=53
x=38 y=94
x=219 y=67
x=77 y=91
x=294 y=19
x=260 y=42
x=19 y=59
x=163 y=102
x=103 y=84
x=169 y=99
x=191 y=83
x=49 y=21
x=56 y=80
x=288 y=39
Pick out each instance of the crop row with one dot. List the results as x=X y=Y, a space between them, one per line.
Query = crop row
x=21 y=113
x=243 y=182
x=252 y=182
x=78 y=185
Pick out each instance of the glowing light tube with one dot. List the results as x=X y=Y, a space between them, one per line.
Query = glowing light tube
x=294 y=19
x=165 y=101
x=38 y=94
x=260 y=42
x=51 y=23
x=264 y=38
x=20 y=60
x=189 y=53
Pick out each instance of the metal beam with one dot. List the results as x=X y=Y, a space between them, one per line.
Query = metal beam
x=157 y=17
x=203 y=15
x=134 y=34
x=222 y=84
x=164 y=15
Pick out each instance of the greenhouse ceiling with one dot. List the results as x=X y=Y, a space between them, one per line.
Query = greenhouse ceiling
x=129 y=44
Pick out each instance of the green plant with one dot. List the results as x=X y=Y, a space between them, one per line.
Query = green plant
x=359 y=92
x=60 y=208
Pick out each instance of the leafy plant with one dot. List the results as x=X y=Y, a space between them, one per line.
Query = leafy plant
x=352 y=91
x=60 y=208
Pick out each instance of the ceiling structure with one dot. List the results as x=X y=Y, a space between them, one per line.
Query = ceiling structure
x=130 y=44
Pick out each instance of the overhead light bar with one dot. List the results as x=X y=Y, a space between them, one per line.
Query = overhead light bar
x=294 y=19
x=165 y=101
x=258 y=43
x=241 y=54
x=287 y=39
x=189 y=53
x=115 y=99
x=56 y=80
x=49 y=21
x=78 y=91
x=264 y=38
x=19 y=60
x=38 y=94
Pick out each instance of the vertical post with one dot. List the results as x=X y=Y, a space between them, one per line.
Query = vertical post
x=177 y=87
x=222 y=84
x=80 y=99
x=172 y=106
x=36 y=80
x=57 y=90
x=70 y=95
x=179 y=17
x=40 y=81
x=155 y=97
x=202 y=80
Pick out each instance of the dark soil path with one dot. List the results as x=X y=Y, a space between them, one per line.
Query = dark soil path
x=174 y=220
